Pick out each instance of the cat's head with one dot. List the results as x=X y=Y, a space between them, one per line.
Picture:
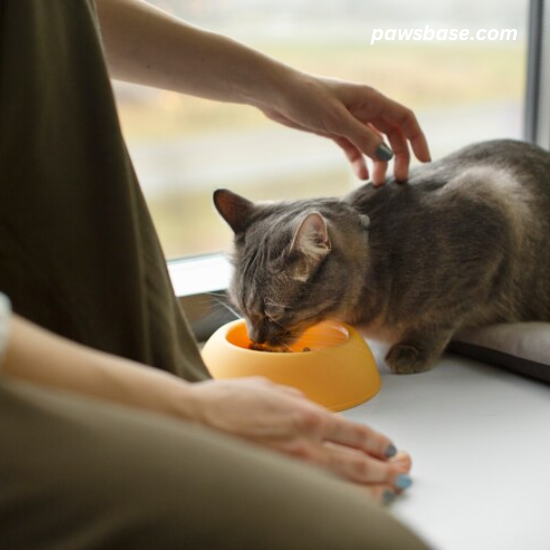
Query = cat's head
x=295 y=263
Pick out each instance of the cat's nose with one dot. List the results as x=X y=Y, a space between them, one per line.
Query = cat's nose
x=256 y=332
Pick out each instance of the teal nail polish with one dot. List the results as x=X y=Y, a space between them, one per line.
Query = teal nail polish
x=383 y=152
x=391 y=451
x=403 y=481
x=388 y=497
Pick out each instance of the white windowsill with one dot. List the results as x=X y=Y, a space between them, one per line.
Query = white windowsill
x=199 y=283
x=200 y=274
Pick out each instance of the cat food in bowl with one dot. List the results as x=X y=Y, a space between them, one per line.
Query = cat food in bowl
x=331 y=363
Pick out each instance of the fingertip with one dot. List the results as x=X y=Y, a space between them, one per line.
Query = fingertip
x=421 y=149
x=401 y=175
x=383 y=153
x=361 y=170
x=424 y=158
x=402 y=461
x=403 y=481
x=379 y=173
x=427 y=157
x=391 y=450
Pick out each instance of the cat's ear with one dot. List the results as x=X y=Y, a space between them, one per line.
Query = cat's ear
x=234 y=209
x=312 y=238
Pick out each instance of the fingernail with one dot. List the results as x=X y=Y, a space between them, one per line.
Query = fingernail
x=383 y=152
x=391 y=451
x=388 y=497
x=403 y=481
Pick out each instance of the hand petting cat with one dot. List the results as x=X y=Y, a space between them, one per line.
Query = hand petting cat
x=354 y=116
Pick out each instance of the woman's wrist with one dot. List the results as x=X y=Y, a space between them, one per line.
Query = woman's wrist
x=264 y=82
x=126 y=382
x=184 y=401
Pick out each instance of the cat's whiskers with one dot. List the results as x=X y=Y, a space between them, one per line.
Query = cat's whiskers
x=288 y=348
x=269 y=302
x=275 y=321
x=218 y=301
x=215 y=308
x=221 y=293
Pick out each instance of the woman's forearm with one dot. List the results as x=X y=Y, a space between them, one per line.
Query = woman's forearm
x=147 y=46
x=37 y=356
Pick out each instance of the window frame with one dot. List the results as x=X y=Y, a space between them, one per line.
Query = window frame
x=537 y=97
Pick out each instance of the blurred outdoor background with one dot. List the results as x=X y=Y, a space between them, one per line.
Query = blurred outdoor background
x=184 y=148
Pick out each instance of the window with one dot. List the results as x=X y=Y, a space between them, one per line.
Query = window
x=184 y=148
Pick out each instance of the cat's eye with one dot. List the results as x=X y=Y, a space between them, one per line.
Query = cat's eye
x=275 y=313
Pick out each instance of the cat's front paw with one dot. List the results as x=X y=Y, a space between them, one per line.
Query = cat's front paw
x=407 y=359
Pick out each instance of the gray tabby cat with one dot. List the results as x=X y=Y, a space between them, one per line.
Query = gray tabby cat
x=463 y=243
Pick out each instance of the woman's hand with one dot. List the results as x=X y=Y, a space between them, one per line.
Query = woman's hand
x=253 y=409
x=281 y=418
x=355 y=117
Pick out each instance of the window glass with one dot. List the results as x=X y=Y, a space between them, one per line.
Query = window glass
x=184 y=148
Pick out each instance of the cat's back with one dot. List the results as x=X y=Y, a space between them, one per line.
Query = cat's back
x=527 y=163
x=487 y=199
x=508 y=175
x=506 y=154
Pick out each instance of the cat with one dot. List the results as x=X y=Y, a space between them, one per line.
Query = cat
x=463 y=243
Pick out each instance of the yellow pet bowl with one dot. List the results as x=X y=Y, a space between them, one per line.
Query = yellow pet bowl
x=336 y=370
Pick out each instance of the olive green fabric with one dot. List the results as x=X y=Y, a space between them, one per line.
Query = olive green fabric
x=78 y=251
x=110 y=478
